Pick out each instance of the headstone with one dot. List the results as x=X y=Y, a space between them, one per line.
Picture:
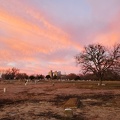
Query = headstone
x=98 y=84
x=4 y=90
x=68 y=112
x=26 y=83
x=103 y=84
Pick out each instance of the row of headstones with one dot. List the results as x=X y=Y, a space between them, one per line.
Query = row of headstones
x=26 y=82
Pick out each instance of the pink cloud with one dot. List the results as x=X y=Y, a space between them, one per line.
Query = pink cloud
x=18 y=27
x=34 y=43
x=25 y=39
x=108 y=39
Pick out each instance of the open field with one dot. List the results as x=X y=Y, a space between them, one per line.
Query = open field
x=45 y=101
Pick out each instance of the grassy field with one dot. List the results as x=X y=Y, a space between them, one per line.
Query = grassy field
x=80 y=84
x=46 y=100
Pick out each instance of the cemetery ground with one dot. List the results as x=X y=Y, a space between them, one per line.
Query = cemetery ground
x=47 y=100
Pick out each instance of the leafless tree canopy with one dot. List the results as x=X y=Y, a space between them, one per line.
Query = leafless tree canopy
x=97 y=59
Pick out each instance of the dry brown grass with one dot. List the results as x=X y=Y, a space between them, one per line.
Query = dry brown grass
x=43 y=101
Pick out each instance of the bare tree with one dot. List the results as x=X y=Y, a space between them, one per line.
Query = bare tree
x=116 y=54
x=10 y=73
x=97 y=59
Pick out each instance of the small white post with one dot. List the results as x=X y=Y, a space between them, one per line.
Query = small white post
x=98 y=84
x=4 y=90
x=26 y=83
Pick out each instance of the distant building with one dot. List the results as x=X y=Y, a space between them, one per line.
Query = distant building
x=59 y=74
x=51 y=74
x=55 y=73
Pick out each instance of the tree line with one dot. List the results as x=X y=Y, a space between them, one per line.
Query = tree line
x=14 y=74
x=96 y=63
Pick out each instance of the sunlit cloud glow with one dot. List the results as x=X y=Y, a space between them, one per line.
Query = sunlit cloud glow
x=36 y=36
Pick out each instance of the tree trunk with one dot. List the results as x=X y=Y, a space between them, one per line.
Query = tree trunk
x=100 y=79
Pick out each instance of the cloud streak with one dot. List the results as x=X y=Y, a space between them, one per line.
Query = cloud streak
x=33 y=41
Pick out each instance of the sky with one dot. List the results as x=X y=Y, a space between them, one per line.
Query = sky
x=37 y=36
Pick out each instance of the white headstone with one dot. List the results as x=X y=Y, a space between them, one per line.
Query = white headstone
x=4 y=90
